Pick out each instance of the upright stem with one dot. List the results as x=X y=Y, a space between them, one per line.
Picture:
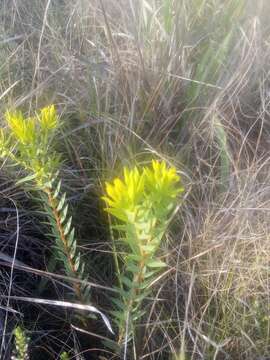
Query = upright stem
x=53 y=203
x=137 y=280
x=115 y=256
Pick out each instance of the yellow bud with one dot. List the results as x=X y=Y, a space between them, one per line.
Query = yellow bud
x=48 y=117
x=17 y=125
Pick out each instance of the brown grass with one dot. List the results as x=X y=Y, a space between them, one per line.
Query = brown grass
x=182 y=80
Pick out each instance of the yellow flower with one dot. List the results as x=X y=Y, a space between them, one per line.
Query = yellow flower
x=124 y=195
x=151 y=189
x=48 y=118
x=23 y=130
x=163 y=180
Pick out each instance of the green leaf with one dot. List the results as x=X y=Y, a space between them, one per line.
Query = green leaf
x=118 y=303
x=119 y=315
x=124 y=294
x=145 y=284
x=26 y=179
x=135 y=257
x=148 y=274
x=81 y=270
x=47 y=184
x=68 y=226
x=126 y=281
x=73 y=249
x=71 y=237
x=54 y=177
x=138 y=315
x=140 y=298
x=117 y=213
x=61 y=202
x=156 y=264
x=77 y=262
x=132 y=267
x=86 y=290
x=148 y=248
x=64 y=214
x=57 y=190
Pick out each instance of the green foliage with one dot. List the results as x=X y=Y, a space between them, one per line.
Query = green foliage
x=27 y=143
x=64 y=356
x=21 y=345
x=142 y=202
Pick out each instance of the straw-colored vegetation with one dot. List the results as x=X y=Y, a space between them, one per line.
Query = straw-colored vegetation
x=160 y=108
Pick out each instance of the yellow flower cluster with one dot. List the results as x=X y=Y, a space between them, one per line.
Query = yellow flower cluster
x=25 y=129
x=26 y=141
x=48 y=118
x=157 y=185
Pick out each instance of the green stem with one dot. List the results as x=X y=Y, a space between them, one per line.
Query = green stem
x=115 y=257
x=135 y=291
x=53 y=204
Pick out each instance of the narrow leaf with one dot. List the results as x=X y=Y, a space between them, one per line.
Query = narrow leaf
x=156 y=264
x=67 y=226
x=61 y=202
x=64 y=214
x=57 y=190
x=26 y=179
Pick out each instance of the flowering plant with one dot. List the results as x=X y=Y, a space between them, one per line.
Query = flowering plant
x=26 y=142
x=142 y=201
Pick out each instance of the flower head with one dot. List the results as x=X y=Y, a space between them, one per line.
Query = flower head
x=30 y=138
x=123 y=196
x=22 y=129
x=48 y=118
x=26 y=130
x=152 y=188
x=162 y=181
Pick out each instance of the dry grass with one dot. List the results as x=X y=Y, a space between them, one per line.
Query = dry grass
x=182 y=80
